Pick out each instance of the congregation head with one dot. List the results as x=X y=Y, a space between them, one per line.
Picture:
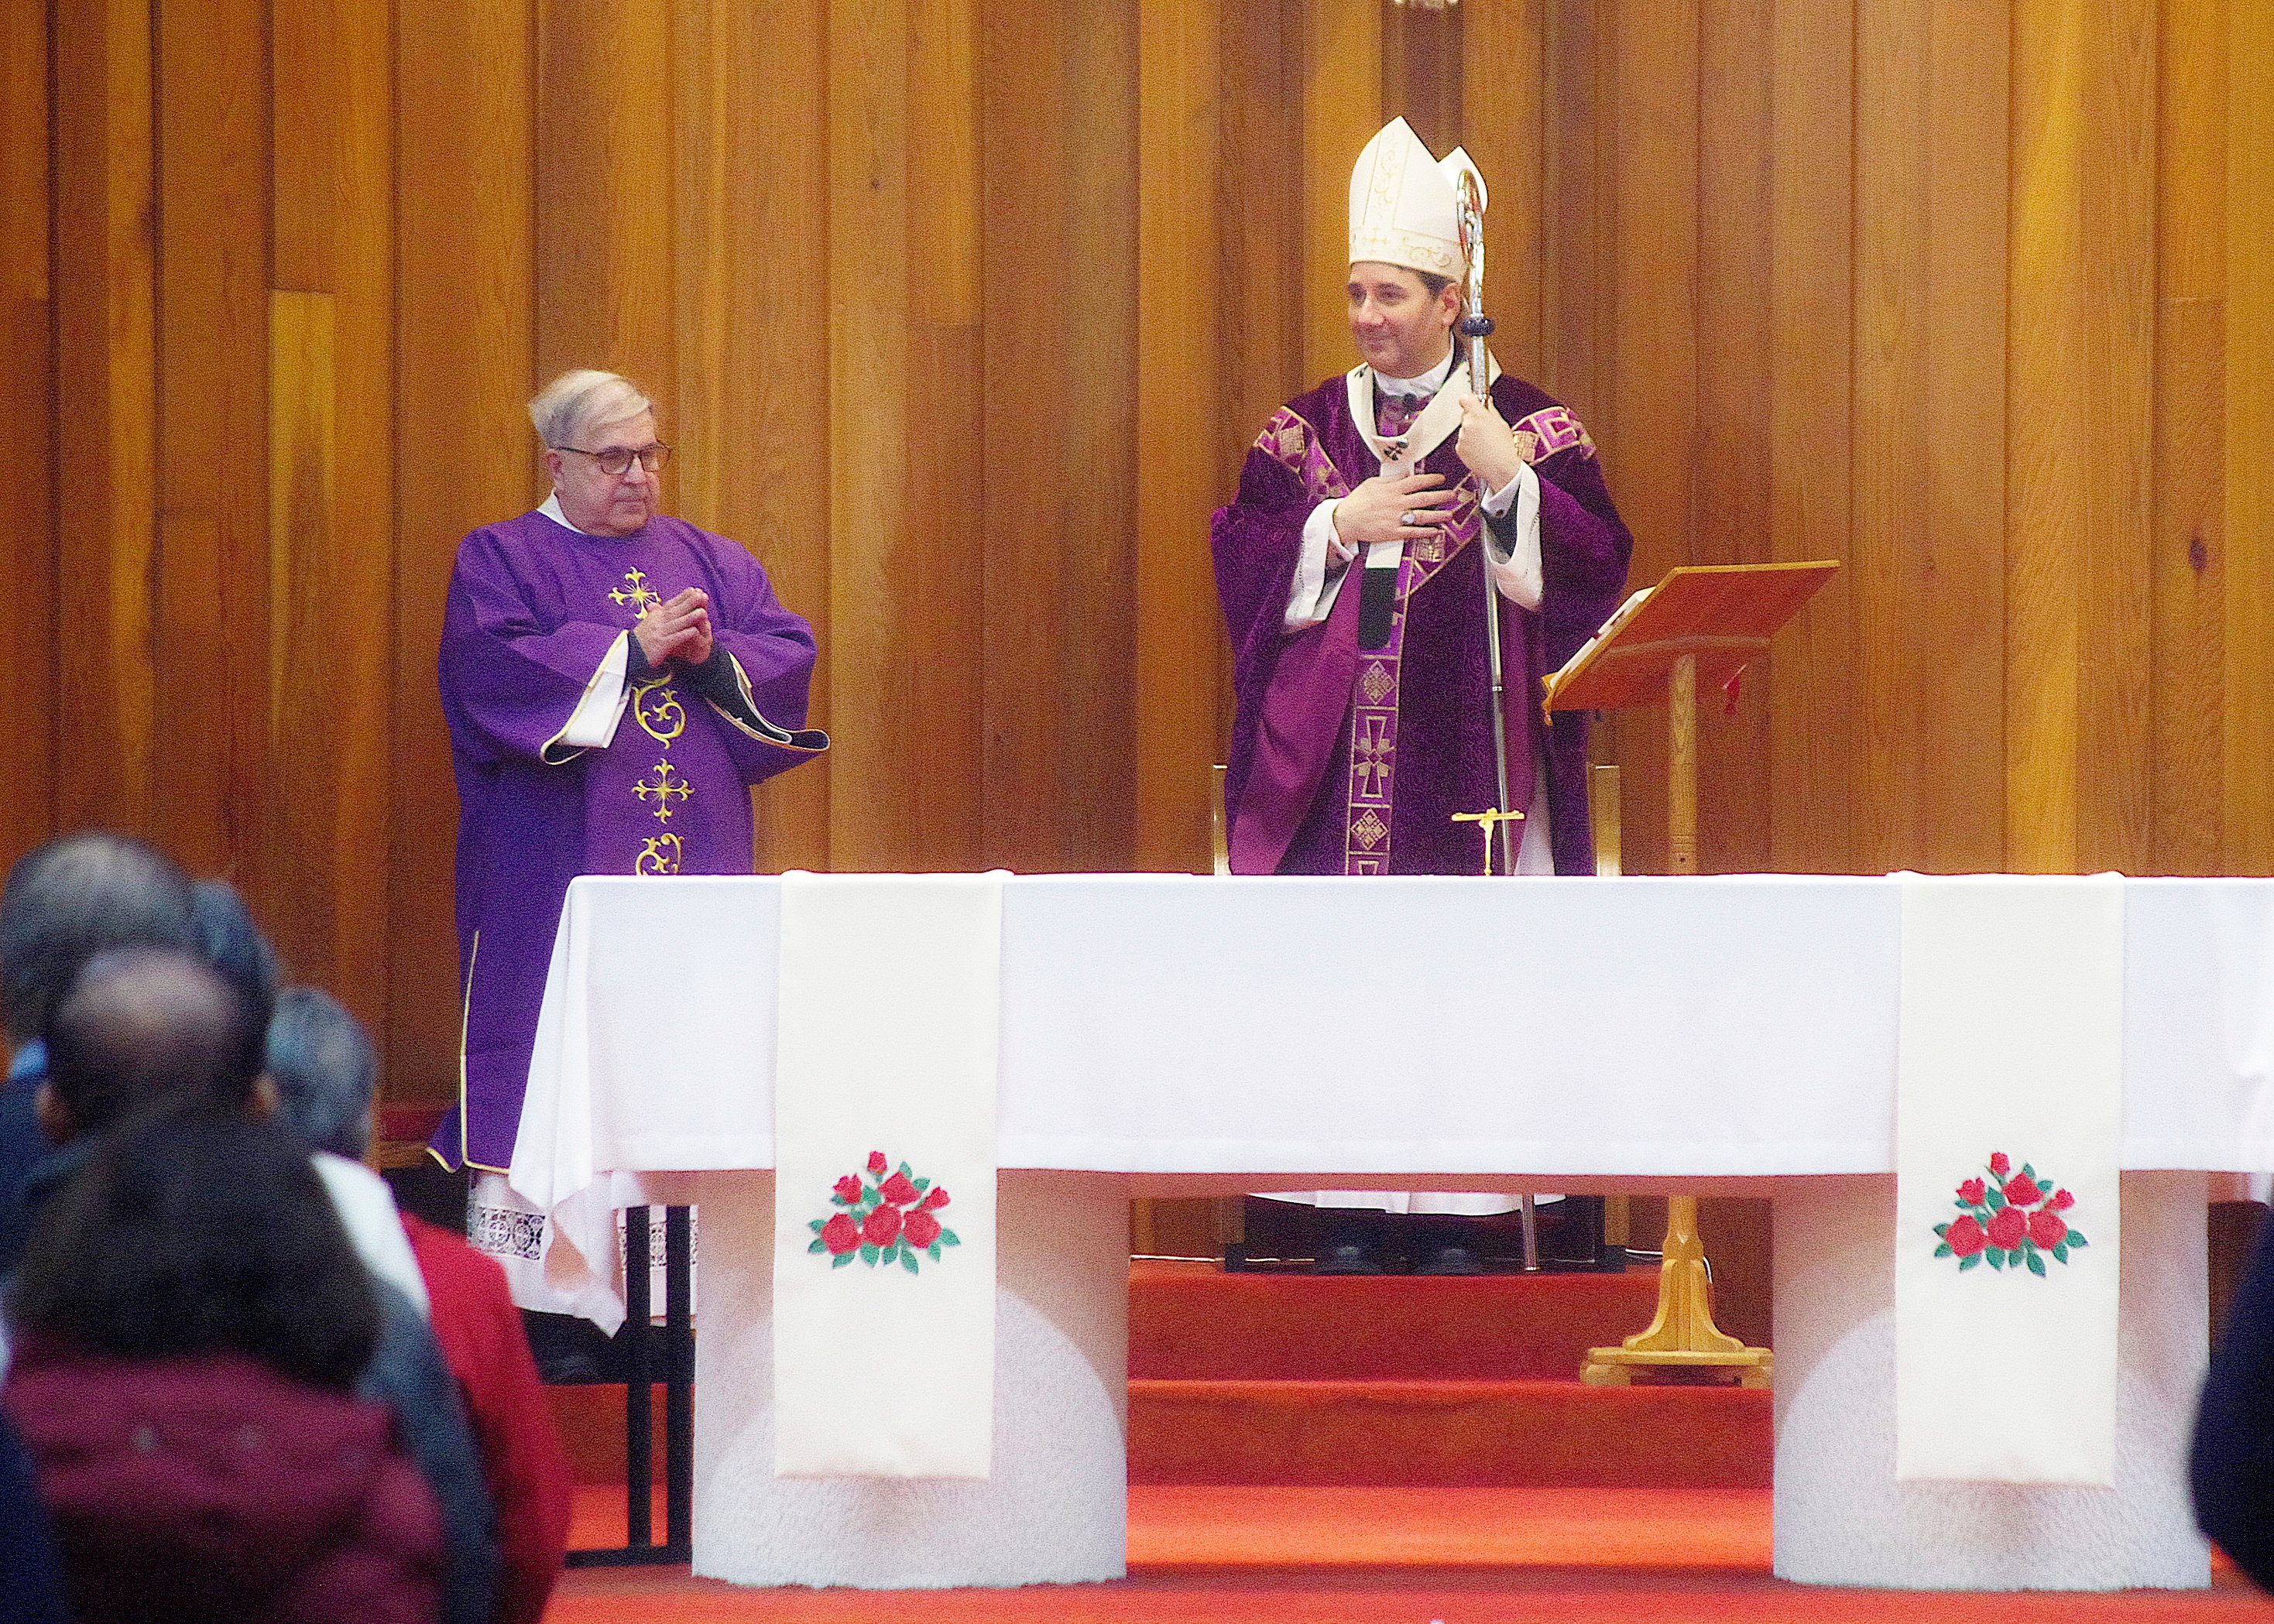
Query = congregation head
x=231 y=942
x=77 y=896
x=195 y=1231
x=141 y=1028
x=325 y=1070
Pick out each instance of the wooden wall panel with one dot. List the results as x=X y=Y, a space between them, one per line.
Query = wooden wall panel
x=1342 y=109
x=1812 y=230
x=1177 y=464
x=2080 y=340
x=2249 y=630
x=464 y=272
x=751 y=310
x=2187 y=571
x=28 y=554
x=106 y=423
x=330 y=564
x=1930 y=429
x=211 y=789
x=1651 y=410
x=1503 y=83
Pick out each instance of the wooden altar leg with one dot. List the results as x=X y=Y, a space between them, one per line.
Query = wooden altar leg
x=1683 y=1334
x=1682 y=767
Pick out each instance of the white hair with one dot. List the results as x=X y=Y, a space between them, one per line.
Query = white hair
x=583 y=401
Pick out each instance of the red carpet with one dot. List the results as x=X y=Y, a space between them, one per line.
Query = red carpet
x=1399 y=1556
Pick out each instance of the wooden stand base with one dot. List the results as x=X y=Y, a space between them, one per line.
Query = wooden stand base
x=1683 y=1334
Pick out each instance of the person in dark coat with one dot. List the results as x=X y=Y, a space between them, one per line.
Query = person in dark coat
x=2232 y=1465
x=189 y=1325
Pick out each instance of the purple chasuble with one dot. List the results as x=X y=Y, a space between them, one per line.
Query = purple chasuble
x=1351 y=761
x=534 y=608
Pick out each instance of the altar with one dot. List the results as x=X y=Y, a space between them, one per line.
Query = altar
x=1166 y=1033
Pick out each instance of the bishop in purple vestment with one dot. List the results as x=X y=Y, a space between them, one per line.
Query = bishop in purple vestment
x=1359 y=733
x=614 y=679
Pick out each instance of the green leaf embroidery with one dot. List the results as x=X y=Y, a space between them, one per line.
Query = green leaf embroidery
x=932 y=1251
x=1942 y=1250
x=908 y=1258
x=922 y=1185
x=2027 y=1171
x=1965 y=1264
x=867 y=1254
x=1940 y=1228
x=2060 y=1251
x=818 y=1225
x=841 y=1260
x=822 y=1245
x=947 y=1238
x=1997 y=1258
x=1997 y=1197
x=908 y=1172
x=2037 y=1263
x=2076 y=1237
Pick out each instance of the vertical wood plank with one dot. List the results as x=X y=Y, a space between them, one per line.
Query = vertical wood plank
x=2249 y=631
x=604 y=157
x=27 y=485
x=751 y=308
x=869 y=410
x=1178 y=431
x=1812 y=218
x=211 y=786
x=1503 y=83
x=331 y=531
x=1577 y=322
x=1930 y=501
x=465 y=269
x=2079 y=341
x=1342 y=109
x=1730 y=523
x=2188 y=567
x=1652 y=386
x=106 y=454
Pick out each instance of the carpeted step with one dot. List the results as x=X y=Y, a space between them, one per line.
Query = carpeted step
x=1428 y=1433
x=1193 y=1322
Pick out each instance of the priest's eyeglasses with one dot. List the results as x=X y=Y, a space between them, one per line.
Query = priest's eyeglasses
x=614 y=459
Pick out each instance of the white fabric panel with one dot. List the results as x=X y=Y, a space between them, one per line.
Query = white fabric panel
x=367 y=1210
x=2011 y=1035
x=886 y=1042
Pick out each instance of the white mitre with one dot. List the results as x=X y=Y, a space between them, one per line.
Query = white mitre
x=1402 y=207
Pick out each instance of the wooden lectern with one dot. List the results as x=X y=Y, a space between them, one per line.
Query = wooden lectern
x=1703 y=623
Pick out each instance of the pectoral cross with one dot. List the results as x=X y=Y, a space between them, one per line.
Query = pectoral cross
x=1487 y=820
x=663 y=789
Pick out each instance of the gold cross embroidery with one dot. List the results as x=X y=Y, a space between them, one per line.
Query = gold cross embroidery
x=1487 y=820
x=640 y=598
x=663 y=789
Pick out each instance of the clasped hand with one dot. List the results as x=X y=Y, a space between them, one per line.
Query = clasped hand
x=679 y=629
x=1412 y=507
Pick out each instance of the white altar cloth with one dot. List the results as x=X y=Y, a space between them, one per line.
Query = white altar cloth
x=1585 y=1032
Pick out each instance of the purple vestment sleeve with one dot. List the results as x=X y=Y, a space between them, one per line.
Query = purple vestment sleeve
x=512 y=682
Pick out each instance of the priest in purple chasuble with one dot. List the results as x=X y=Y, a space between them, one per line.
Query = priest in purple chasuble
x=1351 y=569
x=614 y=681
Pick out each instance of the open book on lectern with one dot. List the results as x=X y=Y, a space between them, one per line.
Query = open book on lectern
x=1723 y=614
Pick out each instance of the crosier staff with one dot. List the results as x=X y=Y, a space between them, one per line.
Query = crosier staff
x=1475 y=327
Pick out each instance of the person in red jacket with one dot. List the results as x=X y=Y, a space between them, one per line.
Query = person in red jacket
x=187 y=1328
x=327 y=1073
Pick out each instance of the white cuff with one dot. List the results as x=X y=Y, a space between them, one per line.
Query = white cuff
x=1312 y=597
x=1516 y=573
x=592 y=725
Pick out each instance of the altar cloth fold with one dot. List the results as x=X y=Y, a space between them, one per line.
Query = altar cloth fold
x=2008 y=1112
x=885 y=1151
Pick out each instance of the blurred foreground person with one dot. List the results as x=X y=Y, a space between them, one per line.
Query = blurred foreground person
x=326 y=1074
x=2233 y=1467
x=190 y=1322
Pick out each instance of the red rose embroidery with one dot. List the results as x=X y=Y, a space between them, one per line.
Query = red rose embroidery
x=840 y=1235
x=1964 y=1237
x=1972 y=1192
x=877 y=1163
x=1999 y=1165
x=923 y=1229
x=934 y=1199
x=2047 y=1229
x=2062 y=1201
x=2007 y=1227
x=899 y=1191
x=883 y=1221
x=883 y=1225
x=848 y=1189
x=2022 y=1191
